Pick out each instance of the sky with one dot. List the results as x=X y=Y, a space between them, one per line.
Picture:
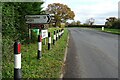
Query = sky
x=85 y=9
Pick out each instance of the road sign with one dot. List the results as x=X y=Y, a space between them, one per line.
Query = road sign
x=44 y=33
x=38 y=19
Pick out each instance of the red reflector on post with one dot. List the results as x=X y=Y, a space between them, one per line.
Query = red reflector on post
x=19 y=47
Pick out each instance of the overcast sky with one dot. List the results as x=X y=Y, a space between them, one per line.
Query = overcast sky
x=85 y=9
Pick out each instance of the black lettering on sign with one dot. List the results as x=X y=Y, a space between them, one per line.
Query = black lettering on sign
x=44 y=17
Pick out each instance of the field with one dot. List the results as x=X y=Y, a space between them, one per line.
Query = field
x=49 y=66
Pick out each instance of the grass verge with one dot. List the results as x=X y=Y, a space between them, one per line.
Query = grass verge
x=113 y=31
x=49 y=66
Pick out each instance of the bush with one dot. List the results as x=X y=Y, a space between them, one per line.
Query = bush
x=89 y=26
x=34 y=37
x=7 y=48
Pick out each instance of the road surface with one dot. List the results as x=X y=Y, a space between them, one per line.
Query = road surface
x=91 y=54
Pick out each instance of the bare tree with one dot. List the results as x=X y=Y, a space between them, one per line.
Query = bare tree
x=90 y=21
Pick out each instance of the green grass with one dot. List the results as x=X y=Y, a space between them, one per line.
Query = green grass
x=113 y=31
x=49 y=66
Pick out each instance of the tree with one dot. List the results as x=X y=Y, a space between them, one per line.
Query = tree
x=73 y=23
x=110 y=21
x=13 y=18
x=78 y=22
x=116 y=24
x=61 y=13
x=90 y=21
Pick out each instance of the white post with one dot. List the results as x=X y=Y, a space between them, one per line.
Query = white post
x=102 y=28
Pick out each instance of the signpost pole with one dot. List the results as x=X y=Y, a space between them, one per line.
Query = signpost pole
x=29 y=31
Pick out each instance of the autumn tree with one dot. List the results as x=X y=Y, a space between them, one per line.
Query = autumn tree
x=61 y=13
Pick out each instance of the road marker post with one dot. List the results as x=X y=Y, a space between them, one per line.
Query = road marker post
x=102 y=28
x=49 y=41
x=61 y=32
x=17 y=61
x=54 y=39
x=57 y=36
x=39 y=46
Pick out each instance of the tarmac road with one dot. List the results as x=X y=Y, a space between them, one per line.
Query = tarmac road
x=91 y=54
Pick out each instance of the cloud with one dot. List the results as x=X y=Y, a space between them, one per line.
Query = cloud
x=85 y=9
x=119 y=9
x=106 y=9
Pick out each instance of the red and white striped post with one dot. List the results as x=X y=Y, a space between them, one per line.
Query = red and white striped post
x=49 y=41
x=54 y=39
x=39 y=46
x=17 y=61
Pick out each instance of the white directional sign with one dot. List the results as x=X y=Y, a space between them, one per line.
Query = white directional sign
x=44 y=33
x=38 y=19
